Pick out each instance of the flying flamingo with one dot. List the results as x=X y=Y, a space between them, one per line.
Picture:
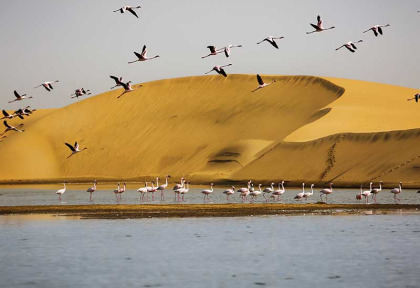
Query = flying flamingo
x=128 y=88
x=301 y=194
x=80 y=92
x=92 y=189
x=184 y=191
x=244 y=192
x=19 y=97
x=309 y=194
x=268 y=190
x=7 y=115
x=207 y=192
x=367 y=193
x=277 y=193
x=61 y=191
x=129 y=9
x=359 y=196
x=47 y=85
x=326 y=192
x=397 y=191
x=375 y=192
x=376 y=29
x=416 y=97
x=74 y=149
x=262 y=84
x=350 y=46
x=213 y=51
x=142 y=56
x=227 y=49
x=11 y=128
x=219 y=69
x=162 y=188
x=318 y=27
x=118 y=81
x=271 y=40
x=142 y=191
x=22 y=112
x=256 y=193
x=229 y=192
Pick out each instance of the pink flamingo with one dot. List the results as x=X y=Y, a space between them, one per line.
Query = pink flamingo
x=397 y=191
x=377 y=28
x=256 y=193
x=11 y=128
x=350 y=46
x=61 y=191
x=118 y=81
x=279 y=192
x=129 y=9
x=128 y=88
x=229 y=192
x=92 y=189
x=306 y=195
x=142 y=191
x=416 y=97
x=318 y=27
x=326 y=192
x=375 y=192
x=367 y=193
x=213 y=51
x=227 y=49
x=301 y=194
x=116 y=191
x=219 y=69
x=207 y=192
x=142 y=56
x=359 y=196
x=262 y=84
x=120 y=191
x=152 y=190
x=244 y=192
x=184 y=191
x=47 y=85
x=20 y=97
x=74 y=149
x=178 y=186
x=7 y=115
x=271 y=40
x=268 y=190
x=162 y=188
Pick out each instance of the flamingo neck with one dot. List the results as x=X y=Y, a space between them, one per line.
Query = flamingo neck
x=166 y=180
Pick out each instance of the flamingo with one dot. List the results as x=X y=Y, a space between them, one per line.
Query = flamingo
x=268 y=190
x=244 y=192
x=376 y=29
x=375 y=192
x=350 y=46
x=271 y=40
x=213 y=51
x=162 y=188
x=301 y=194
x=178 y=186
x=326 y=192
x=227 y=49
x=142 y=191
x=47 y=85
x=277 y=193
x=80 y=92
x=318 y=27
x=309 y=194
x=7 y=115
x=129 y=9
x=120 y=191
x=256 y=193
x=117 y=190
x=262 y=84
x=184 y=191
x=128 y=88
x=22 y=112
x=118 y=81
x=397 y=191
x=19 y=97
x=142 y=56
x=367 y=193
x=92 y=189
x=219 y=69
x=61 y=191
x=229 y=192
x=11 y=128
x=207 y=192
x=74 y=149
x=152 y=189
x=359 y=196
x=416 y=98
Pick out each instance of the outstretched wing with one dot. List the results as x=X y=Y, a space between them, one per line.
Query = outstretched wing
x=380 y=30
x=222 y=71
x=5 y=124
x=354 y=46
x=144 y=51
x=315 y=27
x=132 y=12
x=16 y=94
x=375 y=32
x=212 y=48
x=227 y=51
x=260 y=81
x=115 y=79
x=138 y=55
x=71 y=147
x=5 y=113
x=76 y=145
x=273 y=43
x=349 y=48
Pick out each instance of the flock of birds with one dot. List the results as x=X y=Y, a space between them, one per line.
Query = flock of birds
x=182 y=188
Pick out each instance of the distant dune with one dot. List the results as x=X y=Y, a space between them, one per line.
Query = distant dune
x=212 y=128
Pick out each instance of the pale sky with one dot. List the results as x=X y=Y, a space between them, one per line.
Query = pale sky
x=82 y=42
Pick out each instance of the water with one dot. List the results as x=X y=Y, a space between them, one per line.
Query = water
x=273 y=251
x=42 y=196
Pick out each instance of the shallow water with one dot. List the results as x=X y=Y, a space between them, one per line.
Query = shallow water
x=274 y=251
x=39 y=196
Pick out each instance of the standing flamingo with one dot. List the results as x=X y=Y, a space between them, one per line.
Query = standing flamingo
x=375 y=192
x=229 y=192
x=162 y=188
x=301 y=194
x=318 y=27
x=309 y=194
x=244 y=192
x=184 y=191
x=326 y=192
x=268 y=190
x=74 y=149
x=117 y=190
x=359 y=196
x=142 y=191
x=61 y=191
x=377 y=28
x=129 y=9
x=118 y=81
x=262 y=84
x=47 y=85
x=19 y=97
x=142 y=56
x=219 y=69
x=92 y=189
x=122 y=190
x=213 y=51
x=256 y=193
x=416 y=97
x=271 y=40
x=367 y=193
x=350 y=46
x=11 y=128
x=397 y=191
x=207 y=192
x=151 y=189
x=277 y=193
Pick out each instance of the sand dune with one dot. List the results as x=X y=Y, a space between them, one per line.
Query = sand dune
x=213 y=128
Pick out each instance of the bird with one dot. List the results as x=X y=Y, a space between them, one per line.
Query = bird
x=416 y=98
x=207 y=192
x=213 y=51
x=116 y=190
x=256 y=193
x=397 y=191
x=120 y=191
x=268 y=190
x=229 y=192
x=309 y=194
x=367 y=193
x=277 y=193
x=178 y=186
x=80 y=92
x=184 y=191
x=359 y=196
x=91 y=190
x=118 y=81
x=244 y=192
x=129 y=9
x=152 y=190
x=61 y=191
x=22 y=112
x=271 y=40
x=350 y=46
x=19 y=97
x=318 y=27
x=301 y=194
x=74 y=149
x=376 y=29
x=47 y=85
x=162 y=188
x=142 y=191
x=326 y=192
x=375 y=192
x=219 y=69
x=7 y=115
x=142 y=56
x=11 y=128
x=227 y=49
x=128 y=88
x=262 y=84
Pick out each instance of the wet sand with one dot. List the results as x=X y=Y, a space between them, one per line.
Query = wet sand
x=208 y=210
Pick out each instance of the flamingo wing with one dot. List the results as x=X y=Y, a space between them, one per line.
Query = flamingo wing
x=354 y=46
x=76 y=145
x=49 y=85
x=132 y=12
x=375 y=32
x=71 y=147
x=212 y=49
x=272 y=42
x=349 y=48
x=5 y=113
x=138 y=55
x=5 y=124
x=222 y=71
x=227 y=51
x=144 y=51
x=380 y=30
x=315 y=26
x=16 y=94
x=260 y=81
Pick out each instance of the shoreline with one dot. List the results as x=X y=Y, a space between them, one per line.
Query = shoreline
x=207 y=210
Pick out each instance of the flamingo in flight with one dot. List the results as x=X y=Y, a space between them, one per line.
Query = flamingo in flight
x=271 y=40
x=326 y=192
x=47 y=85
x=227 y=49
x=11 y=128
x=416 y=98
x=74 y=149
x=376 y=29
x=61 y=191
x=397 y=191
x=92 y=189
x=19 y=97
x=207 y=192
x=219 y=69
x=143 y=56
x=162 y=188
x=117 y=80
x=80 y=92
x=262 y=84
x=375 y=192
x=7 y=115
x=213 y=51
x=229 y=192
x=318 y=27
x=350 y=46
x=22 y=112
x=129 y=9
x=128 y=88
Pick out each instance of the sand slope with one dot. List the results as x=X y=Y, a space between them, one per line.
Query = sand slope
x=213 y=128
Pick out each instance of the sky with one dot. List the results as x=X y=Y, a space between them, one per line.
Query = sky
x=82 y=42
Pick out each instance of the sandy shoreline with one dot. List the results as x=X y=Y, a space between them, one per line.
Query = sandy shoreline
x=207 y=210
